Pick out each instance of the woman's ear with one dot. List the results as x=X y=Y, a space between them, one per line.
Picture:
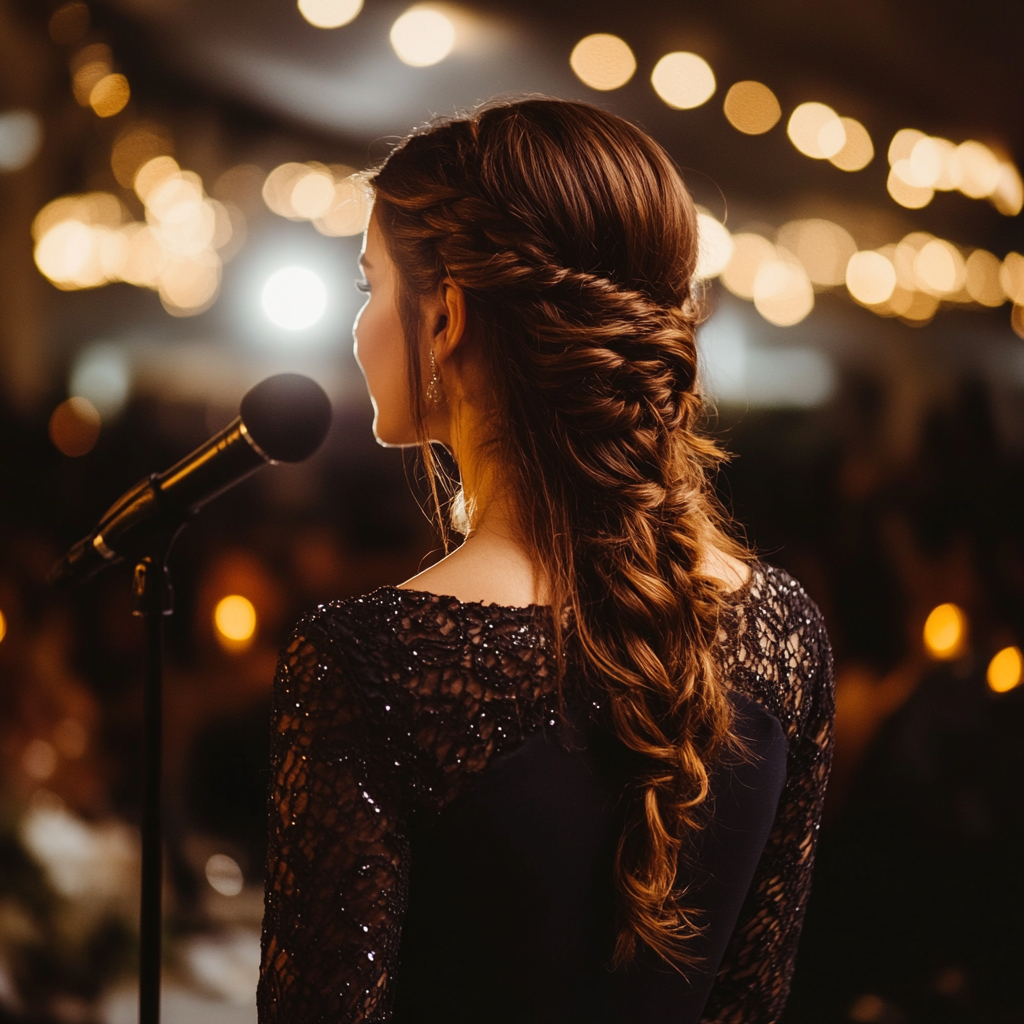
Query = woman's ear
x=448 y=323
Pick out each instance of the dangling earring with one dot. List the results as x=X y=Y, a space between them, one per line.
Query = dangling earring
x=434 y=384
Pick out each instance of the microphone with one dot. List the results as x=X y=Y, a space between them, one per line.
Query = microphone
x=284 y=418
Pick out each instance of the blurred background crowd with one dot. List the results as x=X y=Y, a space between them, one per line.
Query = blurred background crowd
x=178 y=220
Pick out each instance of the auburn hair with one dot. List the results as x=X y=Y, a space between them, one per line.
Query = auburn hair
x=574 y=240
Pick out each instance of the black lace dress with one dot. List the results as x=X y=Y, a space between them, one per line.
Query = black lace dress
x=441 y=841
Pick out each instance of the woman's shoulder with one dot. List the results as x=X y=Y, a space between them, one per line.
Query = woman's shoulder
x=775 y=647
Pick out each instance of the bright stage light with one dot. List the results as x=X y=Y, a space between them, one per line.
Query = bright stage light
x=330 y=13
x=422 y=36
x=294 y=298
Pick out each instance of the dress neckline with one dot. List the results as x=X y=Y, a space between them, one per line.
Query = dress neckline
x=735 y=596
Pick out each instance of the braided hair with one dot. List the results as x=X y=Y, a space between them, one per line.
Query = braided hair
x=574 y=240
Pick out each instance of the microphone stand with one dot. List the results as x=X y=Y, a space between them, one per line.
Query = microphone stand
x=154 y=600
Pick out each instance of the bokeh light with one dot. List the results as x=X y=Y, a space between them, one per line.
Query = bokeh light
x=752 y=108
x=939 y=268
x=134 y=146
x=234 y=620
x=782 y=291
x=1011 y=277
x=21 y=136
x=75 y=427
x=750 y=250
x=823 y=247
x=870 y=277
x=71 y=738
x=945 y=632
x=88 y=66
x=110 y=95
x=858 y=150
x=100 y=374
x=1005 y=670
x=683 y=80
x=39 y=760
x=1008 y=195
x=982 y=278
x=714 y=248
x=422 y=36
x=350 y=208
x=294 y=298
x=979 y=169
x=312 y=194
x=224 y=875
x=330 y=13
x=913 y=197
x=603 y=61
x=69 y=23
x=3 y=626
x=816 y=131
x=1017 y=321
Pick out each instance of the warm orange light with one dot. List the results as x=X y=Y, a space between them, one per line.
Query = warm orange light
x=1011 y=277
x=603 y=61
x=39 y=760
x=1005 y=670
x=824 y=248
x=782 y=291
x=683 y=80
x=858 y=150
x=75 y=427
x=1017 y=321
x=110 y=95
x=69 y=23
x=983 y=284
x=945 y=631
x=235 y=621
x=3 y=626
x=816 y=130
x=870 y=277
x=749 y=252
x=752 y=108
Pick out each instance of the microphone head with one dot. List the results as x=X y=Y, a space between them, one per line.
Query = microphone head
x=287 y=415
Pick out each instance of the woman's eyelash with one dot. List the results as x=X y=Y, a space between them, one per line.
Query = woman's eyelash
x=362 y=285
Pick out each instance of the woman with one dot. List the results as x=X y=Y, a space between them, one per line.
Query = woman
x=484 y=810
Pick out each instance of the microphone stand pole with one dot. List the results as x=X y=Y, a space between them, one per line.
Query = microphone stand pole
x=154 y=600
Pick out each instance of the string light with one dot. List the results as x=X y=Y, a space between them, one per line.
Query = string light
x=816 y=131
x=234 y=620
x=945 y=632
x=1005 y=670
x=870 y=277
x=603 y=61
x=683 y=80
x=715 y=246
x=922 y=164
x=858 y=150
x=422 y=36
x=75 y=427
x=751 y=108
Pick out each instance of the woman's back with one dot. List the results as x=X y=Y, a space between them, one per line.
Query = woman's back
x=443 y=840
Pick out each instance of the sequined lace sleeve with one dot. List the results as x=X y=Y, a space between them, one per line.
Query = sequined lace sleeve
x=338 y=848
x=383 y=708
x=775 y=650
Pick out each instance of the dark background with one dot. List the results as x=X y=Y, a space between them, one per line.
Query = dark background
x=900 y=489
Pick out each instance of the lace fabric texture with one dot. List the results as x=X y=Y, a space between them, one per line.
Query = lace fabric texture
x=388 y=706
